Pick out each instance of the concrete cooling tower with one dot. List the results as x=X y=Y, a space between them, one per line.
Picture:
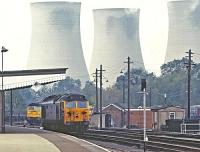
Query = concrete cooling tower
x=184 y=29
x=116 y=36
x=56 y=38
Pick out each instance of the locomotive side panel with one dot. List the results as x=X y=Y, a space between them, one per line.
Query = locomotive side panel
x=50 y=112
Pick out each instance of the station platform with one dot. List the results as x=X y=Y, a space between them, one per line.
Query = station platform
x=20 y=139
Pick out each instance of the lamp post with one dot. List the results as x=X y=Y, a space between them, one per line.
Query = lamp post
x=11 y=106
x=3 y=49
x=123 y=91
x=143 y=89
x=165 y=96
x=97 y=96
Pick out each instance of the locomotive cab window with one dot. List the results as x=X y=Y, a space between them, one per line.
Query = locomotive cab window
x=71 y=104
x=82 y=104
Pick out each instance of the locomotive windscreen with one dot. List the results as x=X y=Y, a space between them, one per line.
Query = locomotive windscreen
x=71 y=104
x=34 y=111
x=81 y=104
x=74 y=97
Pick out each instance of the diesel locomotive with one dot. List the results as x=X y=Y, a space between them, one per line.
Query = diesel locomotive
x=65 y=113
x=34 y=114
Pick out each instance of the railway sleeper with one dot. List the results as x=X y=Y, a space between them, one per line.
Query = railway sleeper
x=162 y=149
x=173 y=146
x=177 y=141
x=114 y=139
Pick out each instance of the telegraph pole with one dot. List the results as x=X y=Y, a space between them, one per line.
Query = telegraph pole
x=97 y=95
x=97 y=102
x=101 y=76
x=189 y=64
x=128 y=116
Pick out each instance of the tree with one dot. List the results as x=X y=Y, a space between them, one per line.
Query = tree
x=173 y=66
x=90 y=91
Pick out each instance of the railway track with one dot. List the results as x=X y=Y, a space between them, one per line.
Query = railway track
x=156 y=141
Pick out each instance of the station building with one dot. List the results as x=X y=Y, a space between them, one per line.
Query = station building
x=156 y=115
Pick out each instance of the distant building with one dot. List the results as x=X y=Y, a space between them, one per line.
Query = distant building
x=106 y=120
x=116 y=36
x=163 y=113
x=184 y=28
x=155 y=117
x=55 y=40
x=137 y=118
x=119 y=111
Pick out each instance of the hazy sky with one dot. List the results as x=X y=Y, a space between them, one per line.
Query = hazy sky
x=15 y=31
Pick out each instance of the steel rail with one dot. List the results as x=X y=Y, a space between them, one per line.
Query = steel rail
x=155 y=142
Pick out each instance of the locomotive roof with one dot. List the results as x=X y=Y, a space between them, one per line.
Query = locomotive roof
x=50 y=99
x=34 y=104
x=68 y=97
x=72 y=97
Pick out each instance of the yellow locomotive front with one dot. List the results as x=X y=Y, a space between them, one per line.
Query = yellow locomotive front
x=76 y=111
x=34 y=114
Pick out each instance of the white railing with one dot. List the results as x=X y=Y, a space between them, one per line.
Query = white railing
x=190 y=128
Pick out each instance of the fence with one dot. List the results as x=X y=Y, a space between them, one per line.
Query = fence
x=193 y=128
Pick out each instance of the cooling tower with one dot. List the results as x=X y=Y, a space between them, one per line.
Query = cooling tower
x=184 y=28
x=56 y=38
x=116 y=36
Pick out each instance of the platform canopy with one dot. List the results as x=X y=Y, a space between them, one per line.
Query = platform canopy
x=33 y=72
x=26 y=78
